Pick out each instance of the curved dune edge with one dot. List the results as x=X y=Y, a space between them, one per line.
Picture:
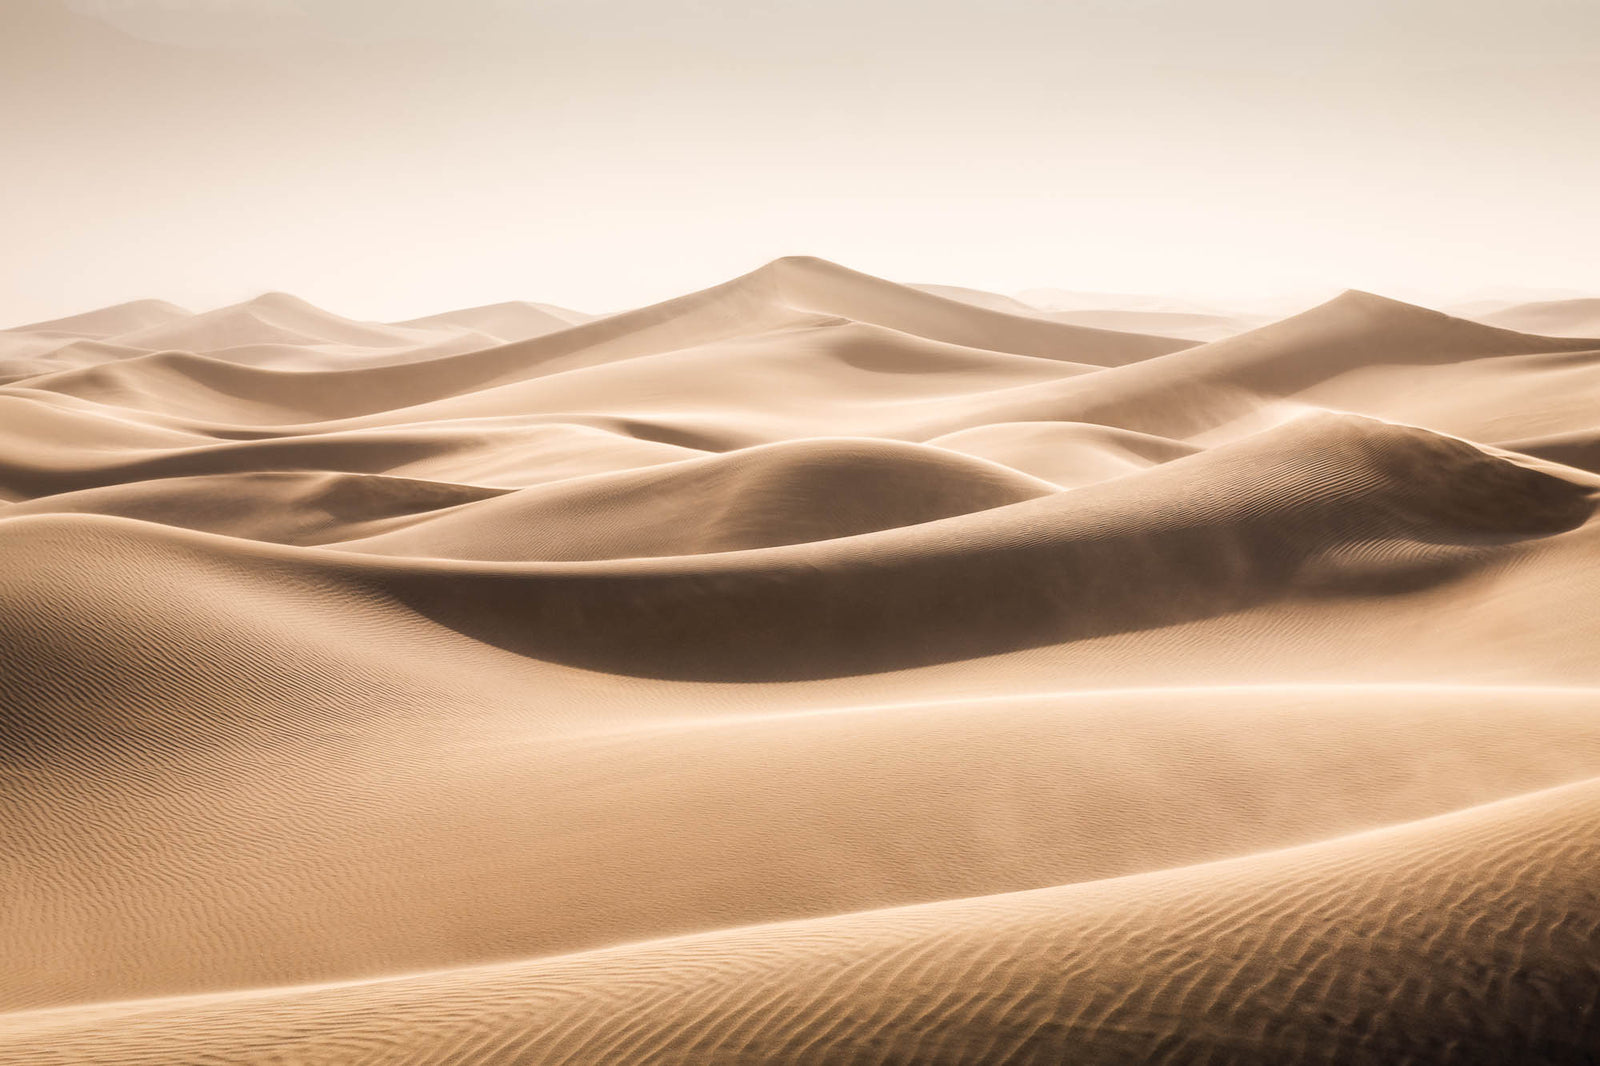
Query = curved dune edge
x=1410 y=941
x=782 y=294
x=811 y=668
x=279 y=506
x=1331 y=505
x=761 y=497
x=279 y=787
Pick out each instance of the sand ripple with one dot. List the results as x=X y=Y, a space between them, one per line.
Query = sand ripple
x=810 y=669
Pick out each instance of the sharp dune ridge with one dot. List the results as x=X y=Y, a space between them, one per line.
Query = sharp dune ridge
x=811 y=668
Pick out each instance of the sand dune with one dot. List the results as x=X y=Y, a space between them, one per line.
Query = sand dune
x=807 y=669
x=513 y=321
x=107 y=321
x=1192 y=325
x=280 y=506
x=1451 y=939
x=1561 y=318
x=1070 y=454
x=760 y=497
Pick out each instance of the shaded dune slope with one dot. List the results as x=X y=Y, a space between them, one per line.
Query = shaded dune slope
x=783 y=294
x=1562 y=318
x=251 y=747
x=1471 y=934
x=1202 y=388
x=754 y=498
x=282 y=507
x=1580 y=448
x=1067 y=453
x=1328 y=505
x=808 y=669
x=507 y=453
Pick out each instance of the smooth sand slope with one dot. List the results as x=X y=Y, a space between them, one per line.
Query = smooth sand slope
x=808 y=669
x=1562 y=318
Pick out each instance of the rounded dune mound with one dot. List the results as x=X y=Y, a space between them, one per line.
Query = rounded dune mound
x=268 y=394
x=1360 y=329
x=512 y=320
x=1556 y=318
x=1189 y=325
x=109 y=321
x=1181 y=325
x=259 y=715
x=1303 y=508
x=784 y=294
x=791 y=293
x=47 y=447
x=754 y=498
x=982 y=298
x=835 y=367
x=200 y=386
x=79 y=340
x=220 y=389
x=494 y=453
x=1314 y=507
x=272 y=318
x=1297 y=510
x=332 y=357
x=284 y=507
x=30 y=357
x=881 y=350
x=811 y=284
x=1196 y=390
x=810 y=668
x=1070 y=454
x=814 y=379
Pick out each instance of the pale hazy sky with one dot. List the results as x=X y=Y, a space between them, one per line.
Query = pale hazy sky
x=385 y=158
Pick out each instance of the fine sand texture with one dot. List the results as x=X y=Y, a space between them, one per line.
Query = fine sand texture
x=810 y=669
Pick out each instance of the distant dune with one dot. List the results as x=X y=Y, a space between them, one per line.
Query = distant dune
x=808 y=669
x=1563 y=318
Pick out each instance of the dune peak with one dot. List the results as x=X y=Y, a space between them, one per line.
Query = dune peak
x=807 y=667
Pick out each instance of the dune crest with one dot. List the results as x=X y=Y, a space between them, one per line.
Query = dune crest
x=811 y=668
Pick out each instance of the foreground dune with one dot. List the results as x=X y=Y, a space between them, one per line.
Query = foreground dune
x=809 y=669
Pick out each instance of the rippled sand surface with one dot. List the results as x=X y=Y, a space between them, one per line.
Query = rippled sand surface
x=810 y=669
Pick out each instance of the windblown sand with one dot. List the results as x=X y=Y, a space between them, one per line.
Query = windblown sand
x=811 y=669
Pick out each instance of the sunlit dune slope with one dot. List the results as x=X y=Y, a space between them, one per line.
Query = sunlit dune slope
x=812 y=668
x=1447 y=940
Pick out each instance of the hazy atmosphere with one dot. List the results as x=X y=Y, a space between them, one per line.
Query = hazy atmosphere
x=395 y=158
x=608 y=532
